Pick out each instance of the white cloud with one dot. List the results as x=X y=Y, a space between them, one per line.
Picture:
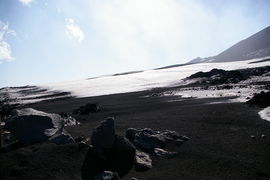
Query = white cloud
x=73 y=31
x=136 y=32
x=148 y=33
x=5 y=50
x=26 y=2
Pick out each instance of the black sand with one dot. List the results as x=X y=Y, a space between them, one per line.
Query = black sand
x=220 y=145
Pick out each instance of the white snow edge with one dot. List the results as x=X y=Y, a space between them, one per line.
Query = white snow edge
x=265 y=113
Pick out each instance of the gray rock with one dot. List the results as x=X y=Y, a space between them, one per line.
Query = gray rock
x=31 y=126
x=61 y=137
x=107 y=175
x=148 y=139
x=162 y=153
x=143 y=162
x=148 y=142
x=70 y=121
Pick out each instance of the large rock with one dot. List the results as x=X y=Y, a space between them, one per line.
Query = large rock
x=143 y=162
x=31 y=126
x=148 y=139
x=93 y=165
x=109 y=152
x=119 y=158
x=261 y=100
x=103 y=134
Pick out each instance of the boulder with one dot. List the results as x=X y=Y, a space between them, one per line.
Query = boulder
x=93 y=165
x=87 y=109
x=107 y=175
x=261 y=100
x=109 y=152
x=103 y=134
x=121 y=156
x=143 y=162
x=31 y=126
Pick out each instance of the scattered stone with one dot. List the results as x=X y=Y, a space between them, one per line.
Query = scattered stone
x=107 y=175
x=162 y=153
x=133 y=178
x=61 y=137
x=261 y=100
x=69 y=120
x=179 y=142
x=31 y=126
x=143 y=162
x=87 y=109
x=252 y=137
x=263 y=136
x=148 y=139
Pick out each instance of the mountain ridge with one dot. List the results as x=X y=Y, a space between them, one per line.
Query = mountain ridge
x=255 y=46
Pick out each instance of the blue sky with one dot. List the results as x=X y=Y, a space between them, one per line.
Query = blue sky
x=43 y=41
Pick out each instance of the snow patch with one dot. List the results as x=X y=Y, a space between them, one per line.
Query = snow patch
x=265 y=113
x=140 y=81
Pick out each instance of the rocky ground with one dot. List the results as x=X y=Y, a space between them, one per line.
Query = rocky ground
x=227 y=140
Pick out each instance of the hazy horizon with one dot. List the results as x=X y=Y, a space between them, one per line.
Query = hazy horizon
x=45 y=41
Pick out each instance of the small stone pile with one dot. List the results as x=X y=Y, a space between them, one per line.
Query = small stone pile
x=112 y=156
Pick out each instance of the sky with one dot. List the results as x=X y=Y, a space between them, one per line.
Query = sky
x=44 y=41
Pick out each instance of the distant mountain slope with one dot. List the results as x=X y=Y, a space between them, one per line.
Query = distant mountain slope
x=255 y=46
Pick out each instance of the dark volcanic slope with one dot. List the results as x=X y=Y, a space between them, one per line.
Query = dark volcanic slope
x=256 y=46
x=220 y=145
